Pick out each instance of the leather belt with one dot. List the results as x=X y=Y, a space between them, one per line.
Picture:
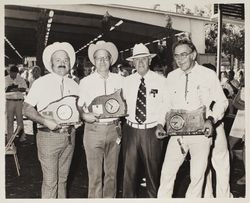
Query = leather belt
x=14 y=99
x=141 y=126
x=114 y=122
x=60 y=130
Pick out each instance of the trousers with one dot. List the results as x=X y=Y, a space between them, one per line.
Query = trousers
x=55 y=155
x=221 y=165
x=199 y=148
x=102 y=153
x=13 y=108
x=141 y=146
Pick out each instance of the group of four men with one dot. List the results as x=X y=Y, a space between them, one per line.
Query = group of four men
x=149 y=96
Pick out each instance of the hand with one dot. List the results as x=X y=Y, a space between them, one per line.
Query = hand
x=51 y=124
x=160 y=132
x=208 y=128
x=91 y=117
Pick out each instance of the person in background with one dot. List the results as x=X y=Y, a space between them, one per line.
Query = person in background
x=189 y=87
x=101 y=135
x=144 y=92
x=55 y=143
x=15 y=88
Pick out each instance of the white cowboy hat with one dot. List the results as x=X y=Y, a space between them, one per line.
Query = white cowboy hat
x=56 y=46
x=140 y=50
x=108 y=46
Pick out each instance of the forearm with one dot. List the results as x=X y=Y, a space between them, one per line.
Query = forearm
x=31 y=113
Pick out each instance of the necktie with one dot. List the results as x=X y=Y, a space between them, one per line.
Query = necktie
x=62 y=87
x=140 y=112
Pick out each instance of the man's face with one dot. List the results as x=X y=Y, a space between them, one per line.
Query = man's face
x=141 y=64
x=184 y=57
x=60 y=63
x=102 y=60
x=13 y=74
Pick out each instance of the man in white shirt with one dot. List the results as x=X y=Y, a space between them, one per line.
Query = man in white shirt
x=15 y=87
x=101 y=135
x=55 y=143
x=189 y=87
x=144 y=93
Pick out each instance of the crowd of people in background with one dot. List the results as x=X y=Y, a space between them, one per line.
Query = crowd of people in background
x=139 y=133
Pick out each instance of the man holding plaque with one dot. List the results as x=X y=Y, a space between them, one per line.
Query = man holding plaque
x=54 y=95
x=144 y=93
x=101 y=108
x=191 y=89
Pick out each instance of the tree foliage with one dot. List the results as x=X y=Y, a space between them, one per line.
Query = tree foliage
x=232 y=40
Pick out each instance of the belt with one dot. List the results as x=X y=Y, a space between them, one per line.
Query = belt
x=14 y=99
x=60 y=130
x=141 y=126
x=114 y=122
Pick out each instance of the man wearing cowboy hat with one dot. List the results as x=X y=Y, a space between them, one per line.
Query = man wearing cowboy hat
x=101 y=136
x=55 y=145
x=143 y=92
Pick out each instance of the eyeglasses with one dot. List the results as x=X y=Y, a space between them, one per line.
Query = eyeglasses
x=106 y=59
x=182 y=55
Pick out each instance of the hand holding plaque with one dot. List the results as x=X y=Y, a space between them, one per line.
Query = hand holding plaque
x=109 y=106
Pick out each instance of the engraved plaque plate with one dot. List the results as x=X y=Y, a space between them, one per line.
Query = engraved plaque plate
x=63 y=111
x=109 y=106
x=183 y=122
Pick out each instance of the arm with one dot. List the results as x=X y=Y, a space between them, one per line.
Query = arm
x=31 y=113
x=221 y=102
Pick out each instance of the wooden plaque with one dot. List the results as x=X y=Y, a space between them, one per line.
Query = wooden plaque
x=63 y=111
x=109 y=106
x=183 y=122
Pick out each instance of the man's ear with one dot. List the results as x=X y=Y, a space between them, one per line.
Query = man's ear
x=149 y=60
x=194 y=55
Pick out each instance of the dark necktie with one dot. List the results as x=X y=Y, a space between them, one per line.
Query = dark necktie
x=140 y=112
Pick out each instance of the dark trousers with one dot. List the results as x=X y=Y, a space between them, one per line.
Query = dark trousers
x=141 y=146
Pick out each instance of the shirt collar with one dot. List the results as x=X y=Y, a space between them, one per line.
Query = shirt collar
x=146 y=76
x=100 y=76
x=58 y=77
x=191 y=70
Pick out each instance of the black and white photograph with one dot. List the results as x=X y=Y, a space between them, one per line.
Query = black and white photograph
x=124 y=100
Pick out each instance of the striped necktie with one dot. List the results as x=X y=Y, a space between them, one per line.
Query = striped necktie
x=140 y=112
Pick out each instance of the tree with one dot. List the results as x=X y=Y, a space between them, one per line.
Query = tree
x=233 y=40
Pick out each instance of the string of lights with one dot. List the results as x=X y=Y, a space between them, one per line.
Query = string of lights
x=51 y=14
x=147 y=43
x=11 y=45
x=99 y=36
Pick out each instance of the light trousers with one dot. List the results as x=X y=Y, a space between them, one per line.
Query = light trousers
x=198 y=147
x=221 y=165
x=13 y=108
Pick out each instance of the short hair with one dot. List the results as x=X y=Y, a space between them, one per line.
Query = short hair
x=187 y=42
x=14 y=69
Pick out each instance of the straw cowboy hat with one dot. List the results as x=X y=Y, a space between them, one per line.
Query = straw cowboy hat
x=52 y=48
x=140 y=50
x=108 y=46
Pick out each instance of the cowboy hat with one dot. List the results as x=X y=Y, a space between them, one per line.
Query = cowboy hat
x=56 y=46
x=140 y=50
x=108 y=46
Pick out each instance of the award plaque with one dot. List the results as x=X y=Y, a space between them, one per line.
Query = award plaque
x=63 y=111
x=109 y=106
x=183 y=122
